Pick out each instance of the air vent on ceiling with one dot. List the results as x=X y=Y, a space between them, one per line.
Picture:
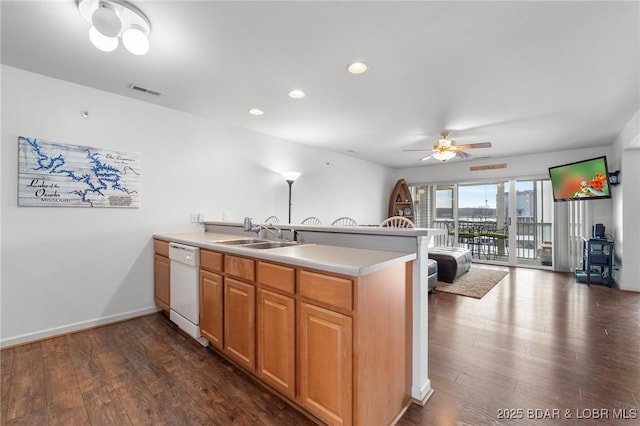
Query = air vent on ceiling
x=144 y=90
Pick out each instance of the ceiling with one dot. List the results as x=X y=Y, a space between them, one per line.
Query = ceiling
x=526 y=76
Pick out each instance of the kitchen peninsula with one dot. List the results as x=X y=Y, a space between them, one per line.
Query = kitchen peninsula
x=329 y=326
x=409 y=240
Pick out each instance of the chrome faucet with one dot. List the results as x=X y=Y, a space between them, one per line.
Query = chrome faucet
x=269 y=228
x=247 y=224
x=259 y=228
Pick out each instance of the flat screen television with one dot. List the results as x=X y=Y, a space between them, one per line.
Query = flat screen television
x=582 y=180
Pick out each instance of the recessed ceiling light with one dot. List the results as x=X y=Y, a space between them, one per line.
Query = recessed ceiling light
x=297 y=94
x=357 y=68
x=256 y=111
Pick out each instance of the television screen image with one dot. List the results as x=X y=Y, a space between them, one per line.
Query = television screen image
x=582 y=180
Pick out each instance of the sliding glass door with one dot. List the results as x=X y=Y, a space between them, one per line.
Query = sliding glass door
x=533 y=216
x=478 y=217
x=483 y=221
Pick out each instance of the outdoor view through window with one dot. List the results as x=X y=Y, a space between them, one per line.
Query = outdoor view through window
x=478 y=217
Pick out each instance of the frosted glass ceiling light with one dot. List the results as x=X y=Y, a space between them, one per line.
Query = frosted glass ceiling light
x=444 y=155
x=106 y=20
x=135 y=41
x=102 y=42
x=113 y=19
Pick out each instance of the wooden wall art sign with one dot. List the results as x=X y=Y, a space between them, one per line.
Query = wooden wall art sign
x=53 y=174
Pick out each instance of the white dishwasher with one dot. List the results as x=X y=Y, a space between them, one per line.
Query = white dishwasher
x=185 y=289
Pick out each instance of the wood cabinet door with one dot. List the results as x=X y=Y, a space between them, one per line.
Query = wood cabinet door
x=211 y=303
x=325 y=364
x=239 y=322
x=161 y=276
x=276 y=341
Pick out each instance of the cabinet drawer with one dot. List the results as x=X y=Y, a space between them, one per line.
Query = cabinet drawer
x=240 y=267
x=161 y=247
x=327 y=289
x=211 y=260
x=277 y=277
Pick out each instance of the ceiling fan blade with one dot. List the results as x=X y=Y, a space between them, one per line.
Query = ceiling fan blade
x=463 y=154
x=475 y=145
x=427 y=157
x=423 y=149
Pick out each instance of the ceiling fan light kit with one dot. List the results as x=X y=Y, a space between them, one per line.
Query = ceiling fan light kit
x=114 y=19
x=443 y=155
x=445 y=149
x=443 y=142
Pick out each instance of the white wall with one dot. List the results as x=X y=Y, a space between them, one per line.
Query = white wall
x=69 y=268
x=626 y=158
x=522 y=167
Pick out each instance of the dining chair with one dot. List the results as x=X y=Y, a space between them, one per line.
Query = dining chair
x=311 y=220
x=397 y=222
x=272 y=219
x=344 y=221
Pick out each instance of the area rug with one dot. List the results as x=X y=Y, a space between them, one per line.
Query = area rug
x=475 y=283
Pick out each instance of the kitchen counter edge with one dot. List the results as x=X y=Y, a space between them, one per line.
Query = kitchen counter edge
x=339 y=260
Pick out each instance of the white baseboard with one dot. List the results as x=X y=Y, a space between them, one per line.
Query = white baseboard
x=70 y=328
x=424 y=400
x=420 y=395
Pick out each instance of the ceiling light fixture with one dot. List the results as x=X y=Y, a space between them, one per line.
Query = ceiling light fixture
x=256 y=111
x=443 y=155
x=113 y=19
x=444 y=149
x=297 y=94
x=357 y=68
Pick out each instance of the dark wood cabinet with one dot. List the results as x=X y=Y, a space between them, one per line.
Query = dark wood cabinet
x=400 y=202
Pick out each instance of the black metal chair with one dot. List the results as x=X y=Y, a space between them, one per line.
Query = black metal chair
x=495 y=241
x=467 y=235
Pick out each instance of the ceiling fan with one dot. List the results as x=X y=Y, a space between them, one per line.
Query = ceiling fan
x=445 y=149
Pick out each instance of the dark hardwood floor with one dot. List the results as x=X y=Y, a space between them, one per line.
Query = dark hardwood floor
x=537 y=344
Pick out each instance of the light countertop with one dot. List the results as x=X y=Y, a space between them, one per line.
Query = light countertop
x=340 y=260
